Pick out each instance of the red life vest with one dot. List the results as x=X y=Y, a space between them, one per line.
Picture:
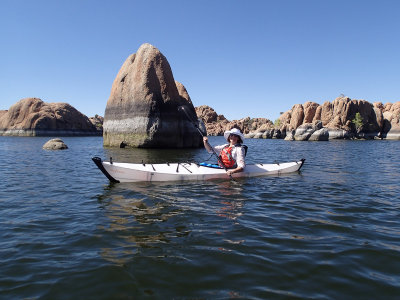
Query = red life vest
x=226 y=157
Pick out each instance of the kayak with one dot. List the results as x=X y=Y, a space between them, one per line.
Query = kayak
x=128 y=172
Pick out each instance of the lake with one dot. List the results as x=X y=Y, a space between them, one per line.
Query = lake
x=331 y=231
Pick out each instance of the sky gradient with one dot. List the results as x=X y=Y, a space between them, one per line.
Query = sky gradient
x=243 y=58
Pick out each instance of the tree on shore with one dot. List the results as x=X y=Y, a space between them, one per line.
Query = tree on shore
x=358 y=122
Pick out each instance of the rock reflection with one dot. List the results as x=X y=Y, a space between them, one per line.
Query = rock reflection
x=137 y=221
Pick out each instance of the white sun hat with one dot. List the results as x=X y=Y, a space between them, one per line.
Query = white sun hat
x=234 y=131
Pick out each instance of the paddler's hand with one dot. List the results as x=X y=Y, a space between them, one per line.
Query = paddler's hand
x=206 y=144
x=232 y=171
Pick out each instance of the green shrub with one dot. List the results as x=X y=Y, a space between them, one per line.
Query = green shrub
x=277 y=123
x=358 y=121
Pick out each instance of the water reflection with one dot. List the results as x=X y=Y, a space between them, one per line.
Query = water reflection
x=144 y=217
x=232 y=200
x=139 y=218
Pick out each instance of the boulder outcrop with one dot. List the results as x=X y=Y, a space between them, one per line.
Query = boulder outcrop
x=338 y=120
x=391 y=120
x=215 y=124
x=305 y=131
x=142 y=110
x=218 y=124
x=33 y=117
x=97 y=121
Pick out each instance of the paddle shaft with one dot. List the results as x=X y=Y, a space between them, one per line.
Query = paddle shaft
x=201 y=133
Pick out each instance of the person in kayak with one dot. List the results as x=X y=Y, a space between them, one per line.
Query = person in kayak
x=232 y=154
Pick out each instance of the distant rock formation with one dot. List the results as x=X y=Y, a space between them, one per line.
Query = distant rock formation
x=218 y=124
x=33 y=117
x=55 y=144
x=97 y=121
x=391 y=120
x=142 y=110
x=215 y=124
x=336 y=120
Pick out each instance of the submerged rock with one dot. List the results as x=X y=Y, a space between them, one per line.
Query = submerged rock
x=55 y=144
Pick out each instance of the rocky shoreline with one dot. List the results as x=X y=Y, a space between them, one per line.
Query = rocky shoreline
x=144 y=110
x=342 y=118
x=34 y=117
x=44 y=132
x=304 y=122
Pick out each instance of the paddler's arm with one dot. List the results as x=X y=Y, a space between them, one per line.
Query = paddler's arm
x=206 y=144
x=237 y=170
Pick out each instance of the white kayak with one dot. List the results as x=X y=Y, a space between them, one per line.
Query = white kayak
x=127 y=172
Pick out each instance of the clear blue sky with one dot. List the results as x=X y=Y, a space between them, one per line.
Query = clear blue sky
x=243 y=58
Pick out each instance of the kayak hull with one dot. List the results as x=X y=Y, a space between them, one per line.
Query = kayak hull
x=127 y=172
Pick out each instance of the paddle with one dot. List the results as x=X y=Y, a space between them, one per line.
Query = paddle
x=194 y=123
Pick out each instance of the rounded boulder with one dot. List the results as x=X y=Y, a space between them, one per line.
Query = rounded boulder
x=55 y=144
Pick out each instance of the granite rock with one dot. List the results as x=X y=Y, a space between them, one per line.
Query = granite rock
x=55 y=144
x=320 y=135
x=97 y=121
x=217 y=124
x=337 y=116
x=305 y=131
x=33 y=117
x=142 y=110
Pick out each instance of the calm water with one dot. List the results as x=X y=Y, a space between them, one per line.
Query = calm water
x=330 y=232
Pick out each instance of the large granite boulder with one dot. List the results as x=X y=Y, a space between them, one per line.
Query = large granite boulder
x=305 y=131
x=297 y=116
x=183 y=92
x=320 y=135
x=310 y=109
x=142 y=110
x=33 y=117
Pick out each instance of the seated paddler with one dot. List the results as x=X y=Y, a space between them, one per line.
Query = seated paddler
x=231 y=155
